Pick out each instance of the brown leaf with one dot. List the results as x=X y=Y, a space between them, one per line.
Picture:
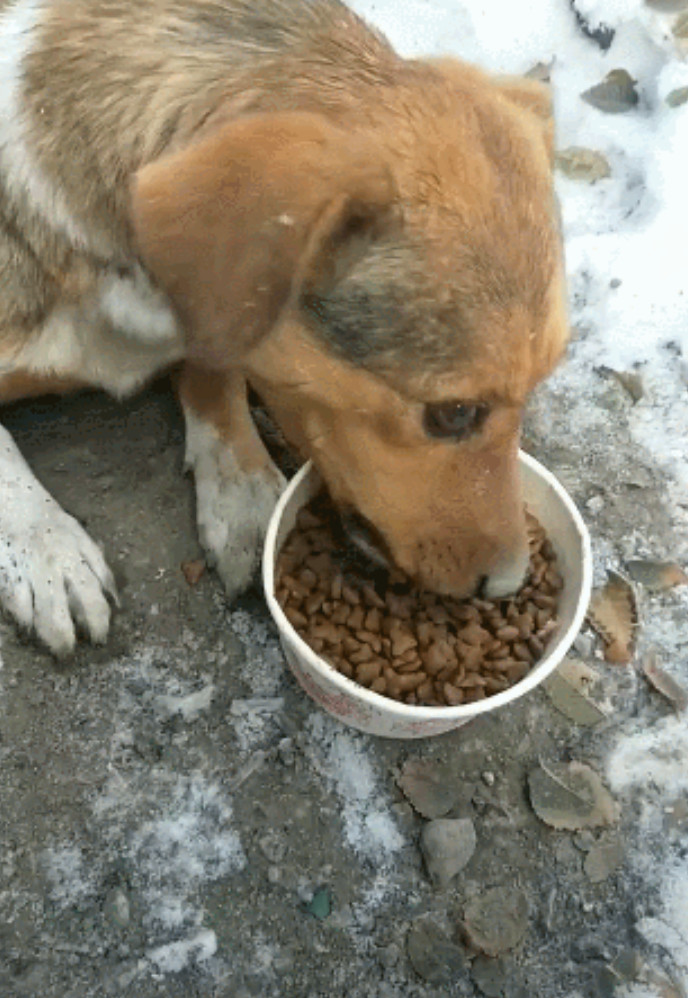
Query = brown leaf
x=614 y=615
x=664 y=683
x=193 y=570
x=656 y=576
x=570 y=796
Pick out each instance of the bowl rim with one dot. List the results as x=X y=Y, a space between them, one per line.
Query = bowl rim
x=411 y=712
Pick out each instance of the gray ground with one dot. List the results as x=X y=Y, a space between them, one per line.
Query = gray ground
x=170 y=804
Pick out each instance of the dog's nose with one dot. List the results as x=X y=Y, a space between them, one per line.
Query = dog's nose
x=508 y=576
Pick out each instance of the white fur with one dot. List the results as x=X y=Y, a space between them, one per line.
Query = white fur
x=233 y=507
x=52 y=575
x=115 y=340
x=22 y=173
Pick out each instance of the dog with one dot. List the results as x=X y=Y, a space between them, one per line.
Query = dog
x=263 y=193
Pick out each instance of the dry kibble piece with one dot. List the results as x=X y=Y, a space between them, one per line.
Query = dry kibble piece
x=313 y=603
x=349 y=595
x=356 y=617
x=373 y=620
x=340 y=613
x=508 y=633
x=370 y=638
x=379 y=685
x=364 y=654
x=295 y=617
x=366 y=672
x=452 y=695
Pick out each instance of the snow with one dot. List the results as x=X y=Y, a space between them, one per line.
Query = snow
x=340 y=757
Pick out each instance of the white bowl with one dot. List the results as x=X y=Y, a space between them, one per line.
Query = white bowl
x=379 y=715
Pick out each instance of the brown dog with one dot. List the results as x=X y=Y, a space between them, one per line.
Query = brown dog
x=268 y=194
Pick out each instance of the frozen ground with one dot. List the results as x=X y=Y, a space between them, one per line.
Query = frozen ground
x=170 y=804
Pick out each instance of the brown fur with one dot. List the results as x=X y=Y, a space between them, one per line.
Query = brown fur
x=354 y=234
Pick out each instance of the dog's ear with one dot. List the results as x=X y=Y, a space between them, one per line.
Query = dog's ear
x=533 y=96
x=234 y=227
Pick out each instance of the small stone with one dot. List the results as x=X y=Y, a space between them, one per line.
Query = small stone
x=432 y=955
x=497 y=920
x=273 y=846
x=117 y=907
x=193 y=570
x=488 y=778
x=615 y=94
x=579 y=163
x=447 y=845
x=602 y=860
x=320 y=904
x=286 y=752
x=677 y=97
x=656 y=576
x=491 y=976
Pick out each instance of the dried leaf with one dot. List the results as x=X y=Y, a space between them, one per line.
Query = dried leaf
x=614 y=615
x=570 y=796
x=615 y=94
x=568 y=688
x=664 y=683
x=579 y=163
x=602 y=860
x=656 y=576
x=431 y=787
x=631 y=382
x=193 y=570
x=541 y=71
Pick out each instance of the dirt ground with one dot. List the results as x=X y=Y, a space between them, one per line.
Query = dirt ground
x=177 y=819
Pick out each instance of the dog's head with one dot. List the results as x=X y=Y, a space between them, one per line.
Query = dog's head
x=391 y=283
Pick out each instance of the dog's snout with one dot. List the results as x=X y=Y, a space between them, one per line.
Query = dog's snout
x=507 y=577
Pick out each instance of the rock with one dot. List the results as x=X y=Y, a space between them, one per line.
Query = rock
x=677 y=97
x=570 y=796
x=432 y=788
x=320 y=905
x=432 y=955
x=447 y=845
x=497 y=920
x=602 y=860
x=616 y=94
x=579 y=163
x=568 y=688
x=491 y=977
x=273 y=846
x=117 y=908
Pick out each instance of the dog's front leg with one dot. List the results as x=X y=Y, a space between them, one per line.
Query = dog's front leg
x=237 y=484
x=53 y=577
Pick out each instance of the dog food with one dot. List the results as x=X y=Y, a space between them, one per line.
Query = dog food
x=404 y=643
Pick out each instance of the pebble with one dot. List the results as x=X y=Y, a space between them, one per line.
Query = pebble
x=490 y=976
x=677 y=97
x=579 y=163
x=433 y=956
x=117 y=907
x=497 y=920
x=616 y=94
x=602 y=860
x=447 y=845
x=273 y=846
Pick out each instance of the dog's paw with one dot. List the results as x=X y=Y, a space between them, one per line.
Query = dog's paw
x=233 y=511
x=53 y=577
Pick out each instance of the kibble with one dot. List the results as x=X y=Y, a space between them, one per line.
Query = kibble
x=404 y=643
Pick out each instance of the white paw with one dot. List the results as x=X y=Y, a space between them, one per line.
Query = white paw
x=53 y=577
x=233 y=509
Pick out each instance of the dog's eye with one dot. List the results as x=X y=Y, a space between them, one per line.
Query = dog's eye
x=453 y=419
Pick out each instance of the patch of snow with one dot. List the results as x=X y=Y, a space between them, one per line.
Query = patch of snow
x=173 y=957
x=340 y=757
x=71 y=879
